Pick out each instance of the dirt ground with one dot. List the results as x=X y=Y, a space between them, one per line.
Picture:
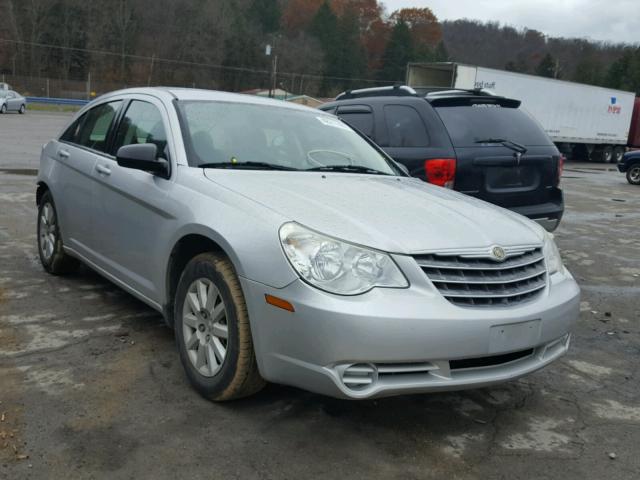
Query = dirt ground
x=91 y=385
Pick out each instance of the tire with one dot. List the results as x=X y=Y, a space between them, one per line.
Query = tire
x=633 y=174
x=3 y=109
x=607 y=154
x=50 y=247
x=618 y=153
x=22 y=110
x=210 y=305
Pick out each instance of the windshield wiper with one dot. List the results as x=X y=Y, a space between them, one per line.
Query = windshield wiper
x=246 y=165
x=516 y=147
x=346 y=168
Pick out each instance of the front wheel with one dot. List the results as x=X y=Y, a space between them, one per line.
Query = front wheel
x=22 y=109
x=3 y=108
x=50 y=247
x=633 y=175
x=213 y=331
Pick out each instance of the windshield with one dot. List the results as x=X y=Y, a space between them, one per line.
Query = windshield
x=472 y=124
x=219 y=133
x=3 y=93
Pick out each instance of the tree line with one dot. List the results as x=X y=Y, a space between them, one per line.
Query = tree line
x=322 y=46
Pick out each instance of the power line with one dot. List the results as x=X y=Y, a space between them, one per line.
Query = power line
x=187 y=62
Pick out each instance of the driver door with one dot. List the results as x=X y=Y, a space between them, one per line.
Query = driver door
x=132 y=206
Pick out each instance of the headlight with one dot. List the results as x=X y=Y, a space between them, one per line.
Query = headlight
x=551 y=254
x=336 y=266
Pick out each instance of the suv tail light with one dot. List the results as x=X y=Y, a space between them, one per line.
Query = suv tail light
x=560 y=167
x=441 y=171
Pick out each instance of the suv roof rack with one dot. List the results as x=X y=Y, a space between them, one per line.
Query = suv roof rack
x=391 y=91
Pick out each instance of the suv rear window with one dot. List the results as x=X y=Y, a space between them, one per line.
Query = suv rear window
x=470 y=123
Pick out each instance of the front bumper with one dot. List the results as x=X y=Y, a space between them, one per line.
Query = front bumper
x=404 y=340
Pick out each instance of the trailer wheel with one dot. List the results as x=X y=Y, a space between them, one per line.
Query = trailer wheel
x=607 y=154
x=618 y=153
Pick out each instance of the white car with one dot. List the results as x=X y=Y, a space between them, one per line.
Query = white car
x=11 y=101
x=283 y=245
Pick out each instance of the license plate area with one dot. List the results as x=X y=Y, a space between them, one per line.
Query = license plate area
x=515 y=178
x=514 y=336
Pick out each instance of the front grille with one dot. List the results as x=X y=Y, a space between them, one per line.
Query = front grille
x=481 y=281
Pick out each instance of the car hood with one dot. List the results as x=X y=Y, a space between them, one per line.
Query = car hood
x=393 y=214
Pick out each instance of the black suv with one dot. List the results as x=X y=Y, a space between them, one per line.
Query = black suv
x=469 y=140
x=630 y=164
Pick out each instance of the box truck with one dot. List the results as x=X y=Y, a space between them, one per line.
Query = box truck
x=584 y=121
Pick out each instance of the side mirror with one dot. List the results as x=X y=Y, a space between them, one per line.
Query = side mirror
x=142 y=156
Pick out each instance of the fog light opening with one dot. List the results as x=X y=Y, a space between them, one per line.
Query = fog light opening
x=360 y=376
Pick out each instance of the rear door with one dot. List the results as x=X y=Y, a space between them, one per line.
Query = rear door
x=78 y=150
x=407 y=129
x=489 y=170
x=12 y=101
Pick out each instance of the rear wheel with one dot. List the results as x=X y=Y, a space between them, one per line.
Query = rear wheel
x=50 y=247
x=3 y=108
x=633 y=174
x=213 y=331
x=22 y=109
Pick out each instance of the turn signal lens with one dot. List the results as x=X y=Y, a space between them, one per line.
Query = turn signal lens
x=441 y=171
x=279 y=302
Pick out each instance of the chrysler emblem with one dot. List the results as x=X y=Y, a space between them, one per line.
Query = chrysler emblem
x=498 y=253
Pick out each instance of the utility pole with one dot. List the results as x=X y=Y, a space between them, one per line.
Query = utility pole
x=274 y=75
x=153 y=58
x=89 y=86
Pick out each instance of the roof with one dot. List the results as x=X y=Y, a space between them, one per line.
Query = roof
x=208 y=95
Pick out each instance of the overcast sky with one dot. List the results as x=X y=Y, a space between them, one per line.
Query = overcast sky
x=612 y=20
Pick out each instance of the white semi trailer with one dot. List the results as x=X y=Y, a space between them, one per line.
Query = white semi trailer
x=584 y=121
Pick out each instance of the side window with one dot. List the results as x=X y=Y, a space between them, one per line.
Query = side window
x=405 y=127
x=92 y=128
x=358 y=116
x=142 y=123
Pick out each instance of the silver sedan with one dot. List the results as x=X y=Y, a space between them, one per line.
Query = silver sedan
x=11 y=101
x=283 y=246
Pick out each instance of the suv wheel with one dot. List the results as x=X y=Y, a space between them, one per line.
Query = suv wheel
x=213 y=331
x=633 y=174
x=50 y=247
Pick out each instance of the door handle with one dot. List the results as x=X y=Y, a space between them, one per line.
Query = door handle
x=103 y=170
x=63 y=153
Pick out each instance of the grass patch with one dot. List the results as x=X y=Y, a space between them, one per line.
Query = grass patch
x=47 y=107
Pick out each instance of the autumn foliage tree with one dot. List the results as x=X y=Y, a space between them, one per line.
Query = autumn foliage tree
x=426 y=31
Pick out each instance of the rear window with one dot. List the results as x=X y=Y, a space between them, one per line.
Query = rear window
x=469 y=124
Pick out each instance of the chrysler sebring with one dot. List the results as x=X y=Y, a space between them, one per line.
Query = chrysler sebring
x=281 y=245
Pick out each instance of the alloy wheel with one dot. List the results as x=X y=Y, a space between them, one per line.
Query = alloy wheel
x=204 y=327
x=634 y=174
x=48 y=232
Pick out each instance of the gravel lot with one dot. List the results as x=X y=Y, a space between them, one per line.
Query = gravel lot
x=91 y=385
